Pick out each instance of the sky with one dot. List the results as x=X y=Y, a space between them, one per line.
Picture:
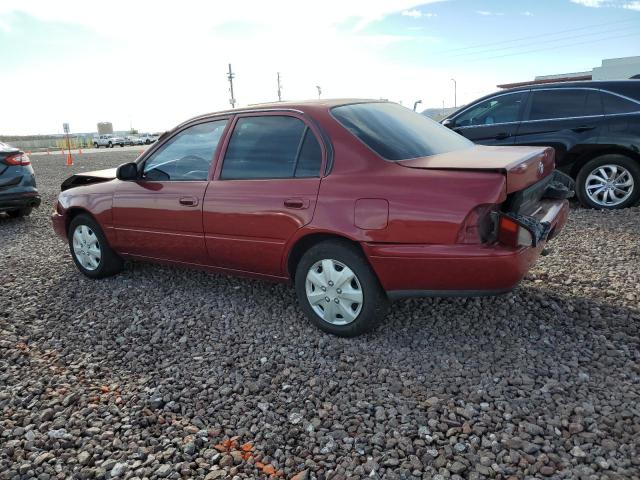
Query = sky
x=153 y=64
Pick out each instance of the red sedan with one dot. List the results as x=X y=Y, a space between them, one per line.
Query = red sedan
x=355 y=202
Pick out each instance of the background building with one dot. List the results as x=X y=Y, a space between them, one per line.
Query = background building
x=105 y=128
x=611 y=69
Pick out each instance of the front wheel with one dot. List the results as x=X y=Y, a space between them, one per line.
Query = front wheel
x=89 y=248
x=110 y=145
x=95 y=145
x=609 y=182
x=338 y=290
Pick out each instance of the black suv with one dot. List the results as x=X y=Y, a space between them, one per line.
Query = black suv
x=594 y=127
x=18 y=193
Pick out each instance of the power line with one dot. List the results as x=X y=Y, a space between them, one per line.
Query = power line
x=542 y=42
x=554 y=47
x=558 y=32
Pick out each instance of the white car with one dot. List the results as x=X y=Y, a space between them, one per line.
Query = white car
x=148 y=138
x=108 y=141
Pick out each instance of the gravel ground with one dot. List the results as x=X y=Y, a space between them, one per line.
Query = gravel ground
x=161 y=372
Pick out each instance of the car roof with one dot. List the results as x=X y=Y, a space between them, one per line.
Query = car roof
x=302 y=105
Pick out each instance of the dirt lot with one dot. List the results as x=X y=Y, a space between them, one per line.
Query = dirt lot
x=155 y=372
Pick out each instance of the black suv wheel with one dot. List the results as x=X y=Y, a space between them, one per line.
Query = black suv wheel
x=609 y=182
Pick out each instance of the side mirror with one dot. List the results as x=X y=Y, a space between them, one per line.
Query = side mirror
x=449 y=123
x=127 y=172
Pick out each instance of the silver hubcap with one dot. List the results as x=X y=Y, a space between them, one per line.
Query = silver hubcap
x=86 y=247
x=334 y=292
x=609 y=185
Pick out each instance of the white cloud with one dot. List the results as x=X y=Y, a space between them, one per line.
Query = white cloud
x=591 y=3
x=188 y=46
x=412 y=13
x=630 y=5
x=527 y=14
x=487 y=13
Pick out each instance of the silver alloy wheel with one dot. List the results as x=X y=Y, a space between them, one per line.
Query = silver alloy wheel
x=609 y=185
x=334 y=292
x=86 y=247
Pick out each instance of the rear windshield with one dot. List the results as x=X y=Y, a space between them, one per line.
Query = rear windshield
x=397 y=133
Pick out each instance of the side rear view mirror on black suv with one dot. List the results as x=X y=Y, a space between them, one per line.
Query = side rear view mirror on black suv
x=127 y=172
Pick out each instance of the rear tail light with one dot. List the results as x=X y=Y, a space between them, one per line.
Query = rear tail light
x=478 y=225
x=18 y=159
x=513 y=234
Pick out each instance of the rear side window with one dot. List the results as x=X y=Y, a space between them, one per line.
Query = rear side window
x=501 y=109
x=188 y=155
x=563 y=103
x=614 y=104
x=397 y=133
x=271 y=146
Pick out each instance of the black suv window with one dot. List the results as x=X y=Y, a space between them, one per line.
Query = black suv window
x=615 y=104
x=500 y=109
x=564 y=103
x=271 y=146
x=188 y=155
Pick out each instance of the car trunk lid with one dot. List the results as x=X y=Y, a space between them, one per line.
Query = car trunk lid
x=522 y=166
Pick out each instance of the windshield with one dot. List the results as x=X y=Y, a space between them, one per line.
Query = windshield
x=397 y=133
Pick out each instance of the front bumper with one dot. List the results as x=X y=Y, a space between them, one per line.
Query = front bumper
x=15 y=201
x=460 y=269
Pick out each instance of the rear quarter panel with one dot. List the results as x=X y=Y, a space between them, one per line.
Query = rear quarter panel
x=424 y=206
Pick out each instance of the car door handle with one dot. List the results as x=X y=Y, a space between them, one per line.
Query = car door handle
x=583 y=128
x=299 y=203
x=502 y=135
x=189 y=201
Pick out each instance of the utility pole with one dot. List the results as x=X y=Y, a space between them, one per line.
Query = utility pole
x=415 y=104
x=455 y=93
x=279 y=89
x=230 y=76
x=319 y=90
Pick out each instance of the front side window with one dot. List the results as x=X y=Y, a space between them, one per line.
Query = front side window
x=396 y=133
x=500 y=109
x=186 y=156
x=271 y=146
x=614 y=104
x=564 y=103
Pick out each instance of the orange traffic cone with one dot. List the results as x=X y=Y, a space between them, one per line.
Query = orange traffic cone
x=79 y=151
x=69 y=159
x=48 y=152
x=61 y=152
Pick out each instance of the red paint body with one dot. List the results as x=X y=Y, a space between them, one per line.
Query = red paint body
x=406 y=216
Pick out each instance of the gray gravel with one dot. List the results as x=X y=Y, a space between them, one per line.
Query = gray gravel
x=167 y=373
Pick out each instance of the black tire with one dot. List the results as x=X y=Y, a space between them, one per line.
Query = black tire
x=109 y=145
x=122 y=145
x=96 y=145
x=147 y=142
x=22 y=212
x=374 y=304
x=110 y=263
x=632 y=166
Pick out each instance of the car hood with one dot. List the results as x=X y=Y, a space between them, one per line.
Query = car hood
x=523 y=166
x=85 y=178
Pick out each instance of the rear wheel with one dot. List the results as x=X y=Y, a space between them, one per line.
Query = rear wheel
x=96 y=145
x=609 y=182
x=22 y=212
x=338 y=290
x=89 y=248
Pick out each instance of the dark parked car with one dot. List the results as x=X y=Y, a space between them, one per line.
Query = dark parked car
x=354 y=202
x=594 y=127
x=18 y=193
